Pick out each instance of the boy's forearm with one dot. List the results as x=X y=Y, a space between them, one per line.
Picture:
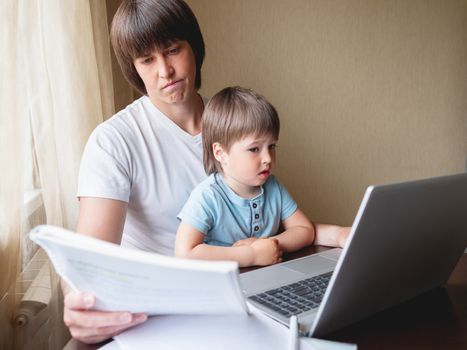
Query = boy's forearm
x=244 y=254
x=295 y=238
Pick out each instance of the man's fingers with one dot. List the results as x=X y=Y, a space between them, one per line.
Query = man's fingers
x=96 y=319
x=114 y=330
x=95 y=335
x=79 y=301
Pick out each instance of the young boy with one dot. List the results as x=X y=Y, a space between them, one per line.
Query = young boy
x=235 y=214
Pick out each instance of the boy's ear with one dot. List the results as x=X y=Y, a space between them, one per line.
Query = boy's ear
x=218 y=151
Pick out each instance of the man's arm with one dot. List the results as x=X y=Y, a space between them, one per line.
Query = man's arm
x=331 y=235
x=103 y=219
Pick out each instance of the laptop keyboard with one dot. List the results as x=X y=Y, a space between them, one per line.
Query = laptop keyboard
x=295 y=298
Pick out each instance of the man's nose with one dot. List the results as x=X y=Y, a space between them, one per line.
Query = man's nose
x=165 y=68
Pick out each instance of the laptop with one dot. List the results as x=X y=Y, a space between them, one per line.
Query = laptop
x=406 y=239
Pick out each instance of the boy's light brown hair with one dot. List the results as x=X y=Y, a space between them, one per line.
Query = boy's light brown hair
x=140 y=26
x=231 y=115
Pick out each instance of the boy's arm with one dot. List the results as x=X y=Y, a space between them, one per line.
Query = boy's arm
x=189 y=244
x=331 y=235
x=298 y=232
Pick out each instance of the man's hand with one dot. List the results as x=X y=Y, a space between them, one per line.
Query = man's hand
x=90 y=326
x=342 y=236
x=104 y=219
x=266 y=251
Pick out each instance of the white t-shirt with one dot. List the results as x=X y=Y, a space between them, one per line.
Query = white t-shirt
x=141 y=157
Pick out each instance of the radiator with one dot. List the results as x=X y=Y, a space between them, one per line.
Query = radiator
x=33 y=296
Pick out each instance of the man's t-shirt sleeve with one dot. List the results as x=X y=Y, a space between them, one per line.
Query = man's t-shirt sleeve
x=104 y=170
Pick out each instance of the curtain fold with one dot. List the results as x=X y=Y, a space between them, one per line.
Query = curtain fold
x=56 y=86
x=64 y=93
x=11 y=184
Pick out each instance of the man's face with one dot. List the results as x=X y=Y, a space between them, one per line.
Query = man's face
x=168 y=74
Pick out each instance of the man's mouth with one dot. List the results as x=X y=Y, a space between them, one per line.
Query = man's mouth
x=171 y=84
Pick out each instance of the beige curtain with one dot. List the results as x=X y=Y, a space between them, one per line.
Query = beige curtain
x=56 y=86
x=10 y=180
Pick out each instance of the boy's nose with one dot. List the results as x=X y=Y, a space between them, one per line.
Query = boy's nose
x=266 y=158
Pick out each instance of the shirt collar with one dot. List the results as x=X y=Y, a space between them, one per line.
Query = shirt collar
x=235 y=198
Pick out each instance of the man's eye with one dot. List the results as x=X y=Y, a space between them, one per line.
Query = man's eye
x=253 y=149
x=173 y=50
x=147 y=60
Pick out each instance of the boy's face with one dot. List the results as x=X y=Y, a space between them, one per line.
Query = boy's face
x=168 y=74
x=248 y=163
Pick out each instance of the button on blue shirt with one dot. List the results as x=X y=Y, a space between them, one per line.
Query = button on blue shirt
x=224 y=217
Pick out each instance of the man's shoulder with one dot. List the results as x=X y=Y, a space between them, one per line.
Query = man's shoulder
x=128 y=115
x=128 y=123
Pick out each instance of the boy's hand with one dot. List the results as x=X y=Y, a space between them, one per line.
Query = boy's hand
x=266 y=251
x=246 y=241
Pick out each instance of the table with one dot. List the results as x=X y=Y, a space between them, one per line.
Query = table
x=434 y=320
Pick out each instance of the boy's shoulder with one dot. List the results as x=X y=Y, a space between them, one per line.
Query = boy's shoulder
x=209 y=187
x=272 y=182
x=273 y=187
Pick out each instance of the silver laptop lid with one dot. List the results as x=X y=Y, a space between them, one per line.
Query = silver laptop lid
x=405 y=240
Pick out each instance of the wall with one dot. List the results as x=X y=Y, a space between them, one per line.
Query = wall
x=369 y=91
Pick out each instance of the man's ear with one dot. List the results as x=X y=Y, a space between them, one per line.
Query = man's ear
x=218 y=152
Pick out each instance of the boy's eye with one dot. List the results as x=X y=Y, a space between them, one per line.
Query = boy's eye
x=272 y=146
x=253 y=149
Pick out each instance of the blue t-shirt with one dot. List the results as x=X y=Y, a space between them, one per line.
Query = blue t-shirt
x=224 y=217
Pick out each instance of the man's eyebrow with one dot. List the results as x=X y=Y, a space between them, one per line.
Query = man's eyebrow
x=172 y=43
x=143 y=54
x=155 y=49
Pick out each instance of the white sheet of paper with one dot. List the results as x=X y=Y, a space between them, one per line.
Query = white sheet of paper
x=227 y=332
x=129 y=280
